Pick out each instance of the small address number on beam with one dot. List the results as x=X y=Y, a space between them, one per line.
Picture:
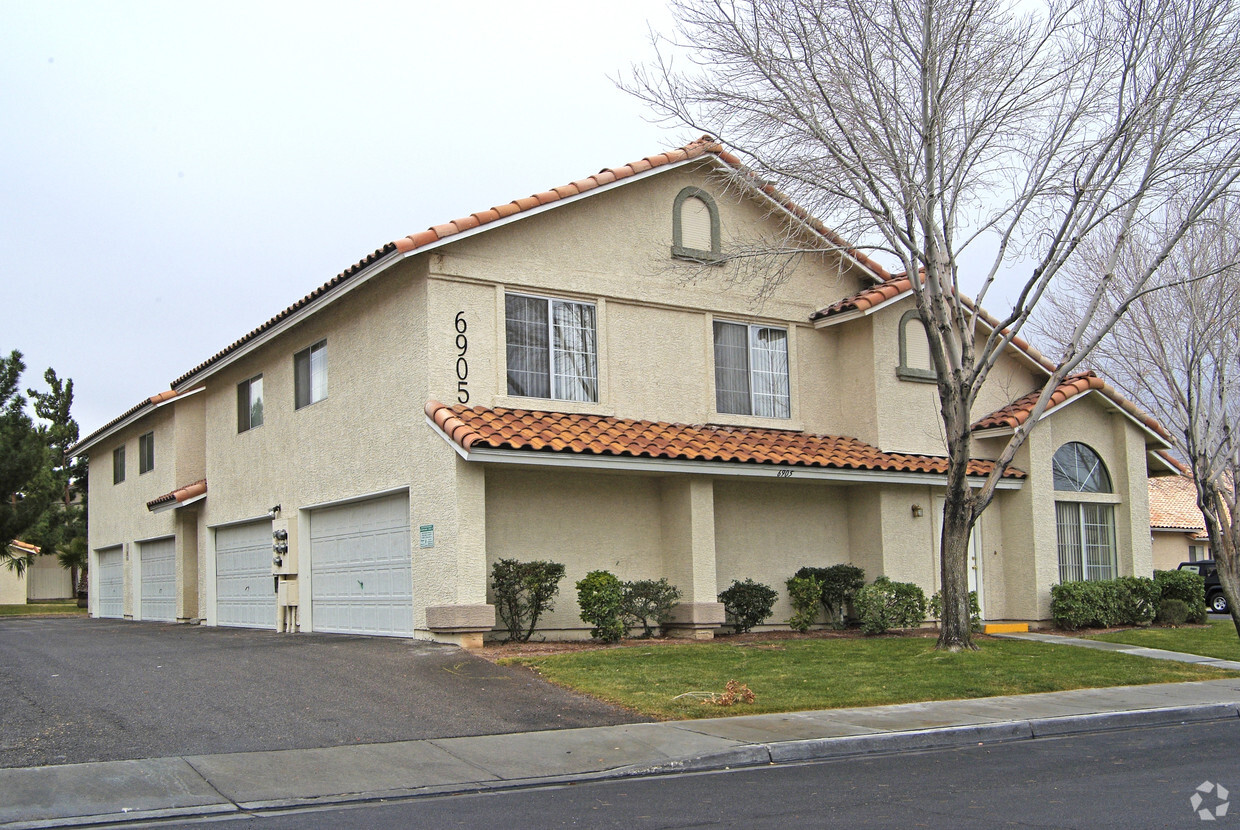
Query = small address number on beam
x=783 y=473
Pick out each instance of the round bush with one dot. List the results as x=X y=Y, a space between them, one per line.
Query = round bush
x=747 y=603
x=599 y=596
x=1173 y=612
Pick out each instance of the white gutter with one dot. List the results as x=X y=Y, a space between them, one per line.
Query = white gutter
x=172 y=505
x=618 y=463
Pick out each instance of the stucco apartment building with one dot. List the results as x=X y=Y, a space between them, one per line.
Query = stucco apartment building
x=571 y=377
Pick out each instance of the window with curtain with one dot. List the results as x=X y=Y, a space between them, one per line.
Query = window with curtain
x=146 y=453
x=751 y=370
x=310 y=375
x=551 y=348
x=1085 y=530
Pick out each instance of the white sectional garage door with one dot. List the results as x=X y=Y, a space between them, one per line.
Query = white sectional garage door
x=159 y=580
x=244 y=595
x=111 y=583
x=362 y=579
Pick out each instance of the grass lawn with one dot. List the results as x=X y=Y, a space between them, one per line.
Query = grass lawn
x=792 y=675
x=68 y=606
x=1218 y=639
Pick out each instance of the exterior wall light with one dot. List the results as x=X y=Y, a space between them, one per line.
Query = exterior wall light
x=917 y=511
x=273 y=512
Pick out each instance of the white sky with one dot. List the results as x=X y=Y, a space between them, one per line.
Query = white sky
x=173 y=174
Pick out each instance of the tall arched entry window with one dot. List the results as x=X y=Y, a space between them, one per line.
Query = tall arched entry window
x=1085 y=525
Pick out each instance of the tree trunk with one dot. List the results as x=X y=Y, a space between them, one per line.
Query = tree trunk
x=955 y=624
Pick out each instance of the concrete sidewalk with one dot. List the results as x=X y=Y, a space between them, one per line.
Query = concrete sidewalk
x=118 y=791
x=1125 y=648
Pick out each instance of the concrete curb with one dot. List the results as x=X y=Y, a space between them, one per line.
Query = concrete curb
x=747 y=755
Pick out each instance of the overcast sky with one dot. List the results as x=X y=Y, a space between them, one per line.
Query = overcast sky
x=172 y=174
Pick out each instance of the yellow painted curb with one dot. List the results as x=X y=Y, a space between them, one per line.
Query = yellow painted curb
x=1005 y=628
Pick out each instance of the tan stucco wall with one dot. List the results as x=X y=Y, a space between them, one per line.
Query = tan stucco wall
x=12 y=587
x=1170 y=548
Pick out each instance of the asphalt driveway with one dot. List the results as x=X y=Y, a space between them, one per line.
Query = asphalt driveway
x=75 y=690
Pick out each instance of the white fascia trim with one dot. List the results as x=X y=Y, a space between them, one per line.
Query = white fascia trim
x=78 y=449
x=360 y=278
x=1158 y=462
x=997 y=432
x=835 y=319
x=172 y=505
x=589 y=461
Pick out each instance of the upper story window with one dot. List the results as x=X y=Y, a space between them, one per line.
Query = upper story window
x=1085 y=529
x=552 y=349
x=1079 y=469
x=751 y=370
x=250 y=403
x=146 y=453
x=915 y=362
x=310 y=375
x=695 y=226
x=118 y=464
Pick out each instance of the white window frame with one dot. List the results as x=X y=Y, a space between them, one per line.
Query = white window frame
x=555 y=382
x=315 y=391
x=246 y=389
x=1096 y=496
x=751 y=330
x=146 y=452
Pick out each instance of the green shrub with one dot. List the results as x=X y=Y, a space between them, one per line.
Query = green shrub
x=648 y=602
x=840 y=584
x=523 y=591
x=747 y=603
x=1173 y=612
x=1102 y=603
x=806 y=595
x=884 y=605
x=1138 y=600
x=935 y=609
x=599 y=596
x=1186 y=586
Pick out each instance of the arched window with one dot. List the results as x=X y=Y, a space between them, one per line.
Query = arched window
x=915 y=362
x=1079 y=469
x=695 y=226
x=1085 y=529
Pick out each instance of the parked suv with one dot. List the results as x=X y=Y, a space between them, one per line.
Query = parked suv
x=1215 y=601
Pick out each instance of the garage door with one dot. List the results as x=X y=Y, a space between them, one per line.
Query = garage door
x=362 y=581
x=244 y=595
x=111 y=583
x=159 y=580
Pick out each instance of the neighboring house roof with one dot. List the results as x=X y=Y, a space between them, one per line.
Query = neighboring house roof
x=25 y=547
x=554 y=432
x=180 y=496
x=1073 y=386
x=1173 y=505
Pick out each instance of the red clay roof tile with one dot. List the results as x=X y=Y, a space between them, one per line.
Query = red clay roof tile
x=179 y=495
x=1017 y=412
x=519 y=429
x=1173 y=504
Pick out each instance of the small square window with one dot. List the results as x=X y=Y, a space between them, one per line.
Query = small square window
x=551 y=348
x=146 y=453
x=250 y=403
x=751 y=370
x=310 y=375
x=118 y=464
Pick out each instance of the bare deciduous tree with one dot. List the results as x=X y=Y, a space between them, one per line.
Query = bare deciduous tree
x=1008 y=133
x=1177 y=352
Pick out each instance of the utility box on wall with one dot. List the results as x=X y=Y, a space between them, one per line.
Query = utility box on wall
x=284 y=547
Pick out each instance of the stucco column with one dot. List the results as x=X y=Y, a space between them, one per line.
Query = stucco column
x=454 y=572
x=187 y=565
x=688 y=519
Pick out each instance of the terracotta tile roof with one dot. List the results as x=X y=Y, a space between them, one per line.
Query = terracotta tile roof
x=25 y=547
x=154 y=400
x=519 y=429
x=380 y=253
x=1017 y=412
x=703 y=146
x=179 y=495
x=1173 y=504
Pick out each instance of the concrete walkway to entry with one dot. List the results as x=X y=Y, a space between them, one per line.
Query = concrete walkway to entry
x=1139 y=651
x=256 y=782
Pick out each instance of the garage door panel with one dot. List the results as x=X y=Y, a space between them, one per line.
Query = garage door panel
x=244 y=596
x=111 y=565
x=158 y=580
x=363 y=582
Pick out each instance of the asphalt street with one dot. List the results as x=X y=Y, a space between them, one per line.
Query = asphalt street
x=1134 y=778
x=77 y=690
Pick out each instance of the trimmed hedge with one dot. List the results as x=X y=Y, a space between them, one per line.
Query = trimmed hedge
x=599 y=596
x=747 y=603
x=1186 y=586
x=884 y=605
x=840 y=583
x=1103 y=603
x=805 y=592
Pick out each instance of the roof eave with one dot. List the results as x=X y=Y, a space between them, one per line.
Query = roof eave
x=143 y=410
